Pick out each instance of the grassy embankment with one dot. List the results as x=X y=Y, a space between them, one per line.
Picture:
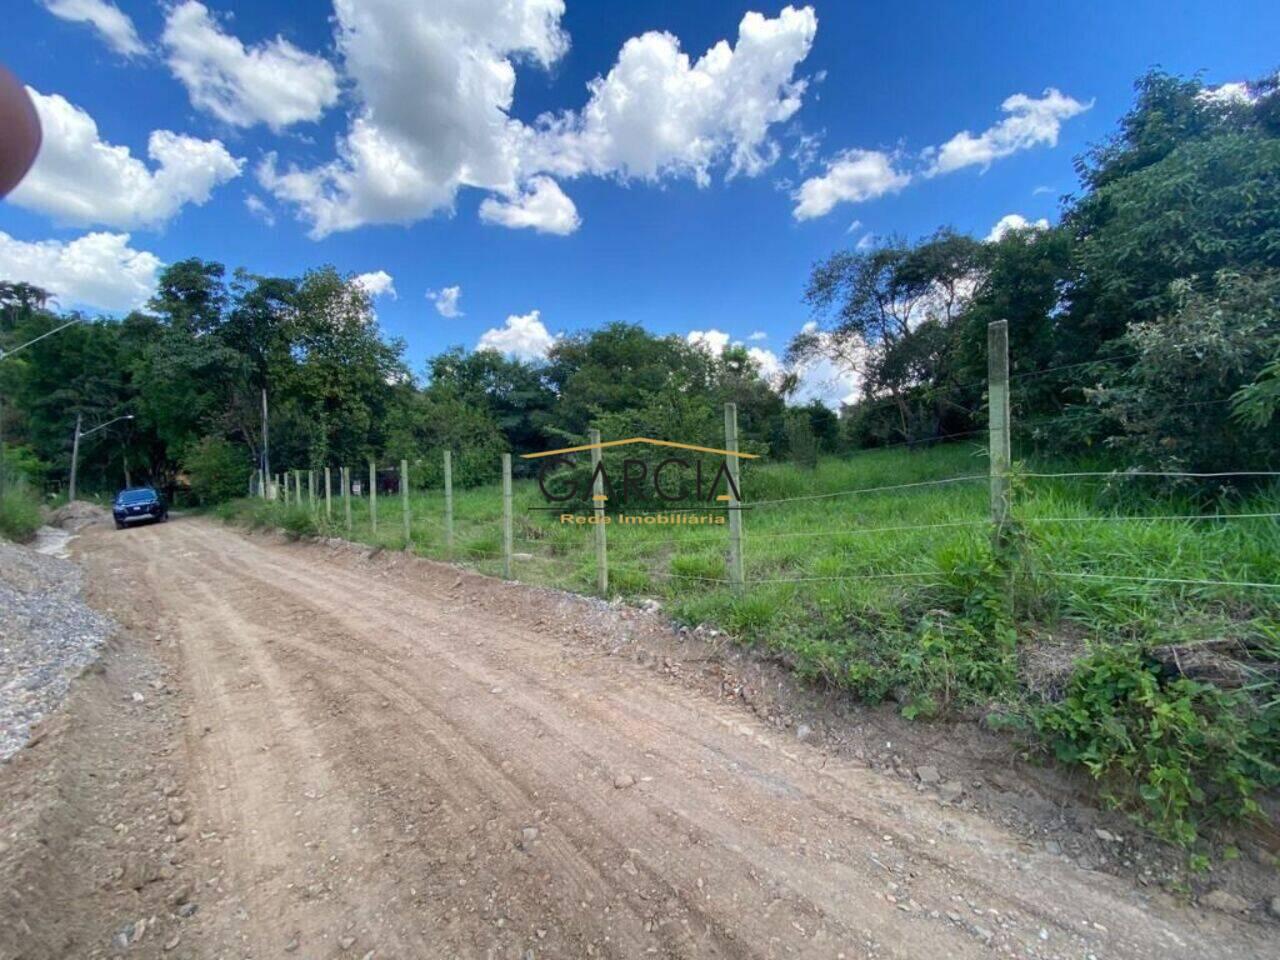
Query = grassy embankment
x=899 y=593
x=19 y=513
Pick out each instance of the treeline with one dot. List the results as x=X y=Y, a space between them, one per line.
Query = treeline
x=1145 y=326
x=193 y=366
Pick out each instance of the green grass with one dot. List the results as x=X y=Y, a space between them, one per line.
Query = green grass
x=901 y=593
x=19 y=514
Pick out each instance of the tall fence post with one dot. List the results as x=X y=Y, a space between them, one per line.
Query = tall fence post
x=297 y=488
x=373 y=496
x=262 y=483
x=282 y=489
x=998 y=421
x=448 y=502
x=346 y=495
x=734 y=503
x=404 y=502
x=597 y=505
x=328 y=493
x=311 y=489
x=506 y=516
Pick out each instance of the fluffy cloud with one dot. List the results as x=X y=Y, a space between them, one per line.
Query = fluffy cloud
x=858 y=175
x=657 y=113
x=542 y=206
x=758 y=335
x=1031 y=122
x=115 y=27
x=98 y=271
x=852 y=177
x=435 y=81
x=1014 y=221
x=379 y=283
x=820 y=379
x=79 y=179
x=524 y=337
x=446 y=301
x=273 y=82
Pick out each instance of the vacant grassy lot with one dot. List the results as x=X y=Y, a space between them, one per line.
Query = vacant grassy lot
x=1129 y=624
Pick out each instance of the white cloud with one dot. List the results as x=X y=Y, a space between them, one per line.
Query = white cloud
x=446 y=301
x=1031 y=122
x=852 y=177
x=115 y=27
x=1227 y=95
x=435 y=84
x=377 y=284
x=79 y=179
x=272 y=82
x=98 y=270
x=435 y=81
x=259 y=209
x=1014 y=221
x=866 y=242
x=656 y=113
x=523 y=337
x=819 y=379
x=758 y=335
x=542 y=206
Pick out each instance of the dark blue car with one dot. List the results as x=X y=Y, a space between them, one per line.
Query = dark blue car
x=139 y=505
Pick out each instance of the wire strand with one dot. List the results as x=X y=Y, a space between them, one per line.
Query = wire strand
x=1177 y=580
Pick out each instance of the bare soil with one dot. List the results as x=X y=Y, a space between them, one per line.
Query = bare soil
x=338 y=754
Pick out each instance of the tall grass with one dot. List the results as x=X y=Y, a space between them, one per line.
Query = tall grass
x=19 y=514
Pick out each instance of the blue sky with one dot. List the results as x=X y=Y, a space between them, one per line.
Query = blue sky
x=670 y=195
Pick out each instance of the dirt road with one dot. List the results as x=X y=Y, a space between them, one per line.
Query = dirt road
x=398 y=760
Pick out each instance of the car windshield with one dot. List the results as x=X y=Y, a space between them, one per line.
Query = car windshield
x=136 y=496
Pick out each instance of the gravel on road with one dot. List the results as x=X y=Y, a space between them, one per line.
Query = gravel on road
x=48 y=635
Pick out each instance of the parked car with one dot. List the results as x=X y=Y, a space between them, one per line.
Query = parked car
x=139 y=505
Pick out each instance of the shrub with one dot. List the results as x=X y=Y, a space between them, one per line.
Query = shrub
x=299 y=522
x=19 y=514
x=218 y=470
x=1178 y=752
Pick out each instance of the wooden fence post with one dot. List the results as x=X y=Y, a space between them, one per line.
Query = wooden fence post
x=328 y=493
x=448 y=502
x=311 y=489
x=373 y=496
x=597 y=505
x=404 y=503
x=734 y=504
x=346 y=495
x=282 y=489
x=297 y=488
x=998 y=421
x=506 y=516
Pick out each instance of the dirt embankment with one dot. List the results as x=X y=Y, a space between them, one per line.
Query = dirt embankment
x=345 y=757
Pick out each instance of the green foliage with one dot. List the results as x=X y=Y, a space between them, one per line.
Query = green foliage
x=1168 y=409
x=218 y=470
x=1182 y=754
x=19 y=513
x=298 y=522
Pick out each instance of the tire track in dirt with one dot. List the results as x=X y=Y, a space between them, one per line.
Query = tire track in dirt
x=433 y=725
x=829 y=894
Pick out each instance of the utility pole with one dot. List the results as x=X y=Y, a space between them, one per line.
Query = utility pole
x=75 y=457
x=75 y=445
x=266 y=448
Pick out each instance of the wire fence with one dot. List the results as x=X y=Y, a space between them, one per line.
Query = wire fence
x=915 y=533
